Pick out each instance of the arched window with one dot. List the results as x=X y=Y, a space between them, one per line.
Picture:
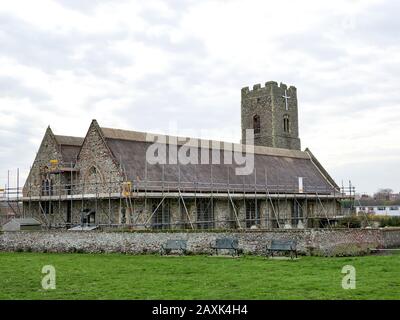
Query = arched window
x=47 y=187
x=93 y=179
x=92 y=171
x=256 y=124
x=286 y=123
x=162 y=215
x=205 y=214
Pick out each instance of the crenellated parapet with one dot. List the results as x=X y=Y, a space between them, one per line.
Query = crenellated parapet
x=269 y=86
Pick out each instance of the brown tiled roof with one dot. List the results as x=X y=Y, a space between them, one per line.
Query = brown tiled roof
x=127 y=135
x=278 y=168
x=69 y=147
x=69 y=141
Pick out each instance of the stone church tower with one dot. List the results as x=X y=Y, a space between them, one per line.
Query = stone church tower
x=272 y=112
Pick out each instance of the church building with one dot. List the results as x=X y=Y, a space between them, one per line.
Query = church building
x=120 y=178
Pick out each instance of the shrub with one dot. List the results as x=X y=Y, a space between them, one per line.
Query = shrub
x=390 y=221
x=350 y=222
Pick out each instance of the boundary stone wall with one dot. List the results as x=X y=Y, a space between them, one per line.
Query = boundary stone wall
x=311 y=242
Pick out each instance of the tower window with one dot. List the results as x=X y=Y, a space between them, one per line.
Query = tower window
x=286 y=123
x=256 y=124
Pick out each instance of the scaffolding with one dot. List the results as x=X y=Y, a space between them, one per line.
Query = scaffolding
x=268 y=203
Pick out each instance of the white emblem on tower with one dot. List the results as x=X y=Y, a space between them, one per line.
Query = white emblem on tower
x=286 y=100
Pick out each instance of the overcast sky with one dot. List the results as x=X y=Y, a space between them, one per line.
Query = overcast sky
x=178 y=67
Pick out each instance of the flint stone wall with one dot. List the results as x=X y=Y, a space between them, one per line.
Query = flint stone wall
x=311 y=242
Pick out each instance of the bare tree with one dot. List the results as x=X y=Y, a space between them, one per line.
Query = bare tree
x=383 y=194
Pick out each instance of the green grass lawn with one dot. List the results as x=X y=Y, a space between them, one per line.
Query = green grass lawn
x=115 y=276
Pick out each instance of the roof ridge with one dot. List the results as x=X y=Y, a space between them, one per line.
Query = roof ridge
x=69 y=140
x=64 y=135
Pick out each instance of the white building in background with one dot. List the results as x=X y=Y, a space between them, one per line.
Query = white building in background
x=379 y=210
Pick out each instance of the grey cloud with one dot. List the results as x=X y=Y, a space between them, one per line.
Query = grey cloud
x=12 y=87
x=379 y=25
x=198 y=91
x=314 y=43
x=177 y=7
x=191 y=45
x=369 y=177
x=84 y=6
x=51 y=51
x=16 y=148
x=31 y=46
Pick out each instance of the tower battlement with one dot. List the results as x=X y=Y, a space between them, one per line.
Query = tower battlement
x=271 y=110
x=268 y=86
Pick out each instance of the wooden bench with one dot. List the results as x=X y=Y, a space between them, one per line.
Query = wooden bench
x=226 y=243
x=177 y=244
x=282 y=246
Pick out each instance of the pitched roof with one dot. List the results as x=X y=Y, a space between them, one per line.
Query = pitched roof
x=69 y=147
x=126 y=135
x=277 y=168
x=69 y=140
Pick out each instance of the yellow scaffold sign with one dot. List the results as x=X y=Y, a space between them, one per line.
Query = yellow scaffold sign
x=53 y=163
x=126 y=188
